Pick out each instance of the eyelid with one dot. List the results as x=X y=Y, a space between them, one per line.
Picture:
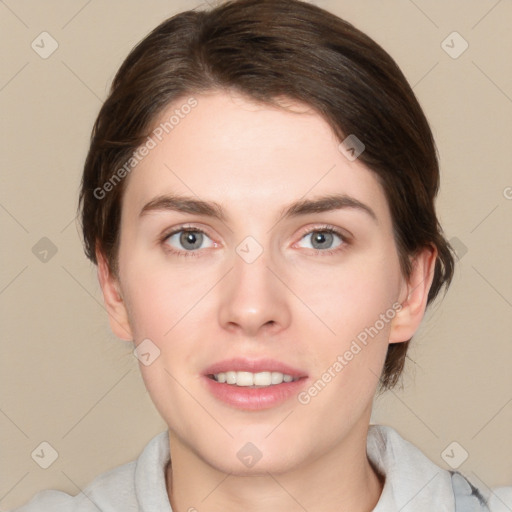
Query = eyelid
x=184 y=227
x=345 y=235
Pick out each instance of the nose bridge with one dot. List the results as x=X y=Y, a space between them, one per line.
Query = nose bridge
x=253 y=297
x=251 y=266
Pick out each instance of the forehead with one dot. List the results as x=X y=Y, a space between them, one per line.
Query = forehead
x=249 y=156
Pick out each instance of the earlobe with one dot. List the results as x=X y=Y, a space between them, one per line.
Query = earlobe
x=415 y=295
x=114 y=302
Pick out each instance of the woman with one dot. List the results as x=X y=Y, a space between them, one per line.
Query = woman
x=259 y=199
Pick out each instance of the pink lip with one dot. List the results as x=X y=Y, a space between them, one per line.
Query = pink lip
x=240 y=364
x=252 y=399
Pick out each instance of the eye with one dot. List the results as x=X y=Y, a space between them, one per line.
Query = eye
x=183 y=240
x=186 y=241
x=322 y=239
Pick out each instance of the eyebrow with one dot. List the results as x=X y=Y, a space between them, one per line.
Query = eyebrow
x=188 y=204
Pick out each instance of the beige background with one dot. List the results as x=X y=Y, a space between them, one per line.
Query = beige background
x=66 y=380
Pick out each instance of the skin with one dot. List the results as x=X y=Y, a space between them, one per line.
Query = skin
x=295 y=304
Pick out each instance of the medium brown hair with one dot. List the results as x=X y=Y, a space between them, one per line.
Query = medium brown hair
x=267 y=50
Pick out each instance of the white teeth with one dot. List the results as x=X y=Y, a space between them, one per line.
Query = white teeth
x=277 y=378
x=263 y=379
x=244 y=379
x=249 y=379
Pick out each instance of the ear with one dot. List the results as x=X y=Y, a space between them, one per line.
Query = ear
x=114 y=303
x=414 y=295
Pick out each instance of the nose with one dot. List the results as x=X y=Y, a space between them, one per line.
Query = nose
x=254 y=299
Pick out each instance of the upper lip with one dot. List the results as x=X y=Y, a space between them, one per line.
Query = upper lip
x=240 y=364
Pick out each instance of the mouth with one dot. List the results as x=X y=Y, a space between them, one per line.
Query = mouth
x=253 y=384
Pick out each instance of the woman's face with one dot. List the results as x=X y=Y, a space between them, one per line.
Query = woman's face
x=265 y=283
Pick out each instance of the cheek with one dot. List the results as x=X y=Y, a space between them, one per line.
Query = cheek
x=165 y=307
x=351 y=296
x=355 y=305
x=162 y=295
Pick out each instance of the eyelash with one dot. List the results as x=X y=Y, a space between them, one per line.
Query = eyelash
x=321 y=229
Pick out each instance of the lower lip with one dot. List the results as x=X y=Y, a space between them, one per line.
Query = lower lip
x=254 y=399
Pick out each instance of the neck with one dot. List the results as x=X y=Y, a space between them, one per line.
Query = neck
x=342 y=479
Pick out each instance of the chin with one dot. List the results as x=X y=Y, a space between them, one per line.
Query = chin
x=245 y=457
x=267 y=464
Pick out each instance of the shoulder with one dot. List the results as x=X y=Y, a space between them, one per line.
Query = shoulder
x=129 y=487
x=500 y=499
x=470 y=498
x=114 y=486
x=415 y=482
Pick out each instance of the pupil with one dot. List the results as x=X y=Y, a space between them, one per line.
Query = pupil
x=188 y=237
x=322 y=238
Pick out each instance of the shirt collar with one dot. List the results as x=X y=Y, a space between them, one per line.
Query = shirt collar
x=413 y=483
